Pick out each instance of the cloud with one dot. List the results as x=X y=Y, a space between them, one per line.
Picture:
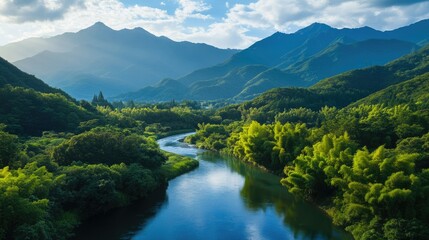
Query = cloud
x=291 y=15
x=222 y=35
x=191 y=9
x=240 y=26
x=37 y=10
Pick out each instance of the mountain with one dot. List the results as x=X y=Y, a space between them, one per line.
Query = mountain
x=281 y=50
x=100 y=58
x=360 y=83
x=340 y=57
x=28 y=106
x=162 y=91
x=11 y=75
x=414 y=91
x=299 y=59
x=404 y=80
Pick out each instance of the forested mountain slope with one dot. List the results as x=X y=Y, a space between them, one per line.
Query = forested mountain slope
x=414 y=92
x=365 y=162
x=28 y=106
x=100 y=58
x=340 y=90
x=298 y=59
x=9 y=74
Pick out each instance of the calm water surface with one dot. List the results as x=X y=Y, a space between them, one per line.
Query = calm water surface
x=222 y=199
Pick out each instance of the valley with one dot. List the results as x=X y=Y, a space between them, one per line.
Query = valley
x=318 y=133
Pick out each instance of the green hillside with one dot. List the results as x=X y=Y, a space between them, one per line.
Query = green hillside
x=340 y=90
x=351 y=86
x=9 y=74
x=299 y=59
x=28 y=106
x=341 y=57
x=358 y=160
x=414 y=92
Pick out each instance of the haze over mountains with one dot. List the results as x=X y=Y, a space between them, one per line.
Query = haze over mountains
x=402 y=81
x=100 y=58
x=282 y=60
x=117 y=62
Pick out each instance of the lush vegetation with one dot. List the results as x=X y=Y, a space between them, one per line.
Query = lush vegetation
x=338 y=91
x=366 y=164
x=62 y=161
x=298 y=59
x=29 y=112
x=177 y=165
x=48 y=184
x=359 y=162
x=11 y=75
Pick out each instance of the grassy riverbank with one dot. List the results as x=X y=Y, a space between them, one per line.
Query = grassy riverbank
x=177 y=165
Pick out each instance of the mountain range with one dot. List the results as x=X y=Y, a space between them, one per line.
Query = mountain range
x=299 y=59
x=28 y=106
x=116 y=62
x=100 y=58
x=402 y=81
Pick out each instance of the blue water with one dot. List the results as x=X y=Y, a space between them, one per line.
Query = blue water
x=222 y=199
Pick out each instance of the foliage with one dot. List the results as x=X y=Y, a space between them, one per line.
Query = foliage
x=8 y=148
x=272 y=146
x=375 y=125
x=28 y=112
x=154 y=119
x=100 y=101
x=11 y=75
x=25 y=205
x=91 y=189
x=360 y=161
x=209 y=136
x=177 y=165
x=109 y=146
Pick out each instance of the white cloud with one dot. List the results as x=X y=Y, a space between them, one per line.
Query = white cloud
x=290 y=15
x=192 y=9
x=33 y=10
x=241 y=25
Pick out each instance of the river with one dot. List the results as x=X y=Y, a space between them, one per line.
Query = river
x=222 y=199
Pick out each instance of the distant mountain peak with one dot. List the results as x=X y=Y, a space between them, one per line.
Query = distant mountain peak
x=141 y=30
x=315 y=28
x=319 y=25
x=98 y=26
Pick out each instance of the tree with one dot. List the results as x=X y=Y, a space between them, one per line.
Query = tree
x=9 y=148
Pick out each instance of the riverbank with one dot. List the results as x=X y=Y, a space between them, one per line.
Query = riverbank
x=325 y=205
x=218 y=200
x=177 y=165
x=172 y=133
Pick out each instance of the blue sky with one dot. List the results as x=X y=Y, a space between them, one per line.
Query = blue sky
x=225 y=24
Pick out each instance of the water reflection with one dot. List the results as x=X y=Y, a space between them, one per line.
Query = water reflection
x=262 y=190
x=222 y=199
x=122 y=223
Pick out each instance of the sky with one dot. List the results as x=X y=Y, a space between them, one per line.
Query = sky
x=225 y=24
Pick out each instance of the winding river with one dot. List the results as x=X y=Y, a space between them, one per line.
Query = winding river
x=222 y=199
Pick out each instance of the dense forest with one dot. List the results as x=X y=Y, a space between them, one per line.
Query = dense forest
x=357 y=144
x=358 y=160
x=62 y=160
